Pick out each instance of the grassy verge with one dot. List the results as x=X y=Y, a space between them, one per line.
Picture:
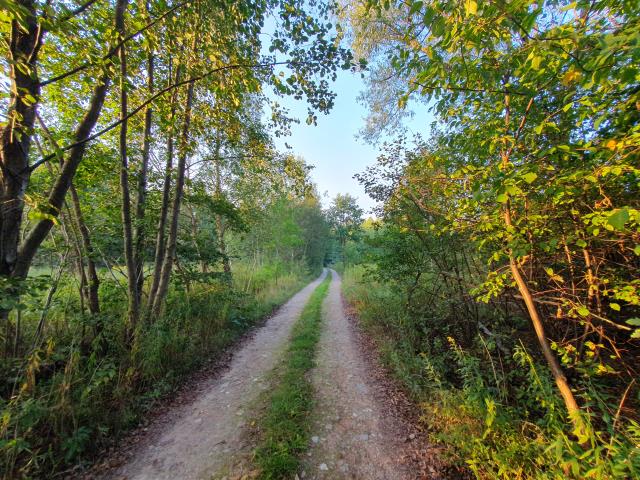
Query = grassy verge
x=285 y=426
x=71 y=400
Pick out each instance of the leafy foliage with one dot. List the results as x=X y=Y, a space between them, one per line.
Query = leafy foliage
x=520 y=205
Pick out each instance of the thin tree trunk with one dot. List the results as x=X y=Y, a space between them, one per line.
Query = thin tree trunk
x=194 y=236
x=139 y=233
x=220 y=227
x=552 y=361
x=93 y=282
x=164 y=207
x=172 y=238
x=558 y=375
x=47 y=303
x=73 y=224
x=132 y=282
x=92 y=273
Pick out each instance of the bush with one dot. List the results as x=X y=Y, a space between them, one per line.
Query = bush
x=494 y=406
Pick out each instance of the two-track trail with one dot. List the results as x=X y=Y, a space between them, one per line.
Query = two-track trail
x=353 y=434
x=202 y=435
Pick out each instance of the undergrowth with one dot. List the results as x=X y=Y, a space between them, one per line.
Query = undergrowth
x=72 y=396
x=493 y=406
x=285 y=426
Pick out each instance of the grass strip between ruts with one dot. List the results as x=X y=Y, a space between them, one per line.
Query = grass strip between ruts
x=285 y=426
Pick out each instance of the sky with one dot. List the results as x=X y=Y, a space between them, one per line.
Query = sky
x=331 y=146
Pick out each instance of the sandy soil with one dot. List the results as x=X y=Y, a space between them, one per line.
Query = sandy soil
x=202 y=435
x=353 y=437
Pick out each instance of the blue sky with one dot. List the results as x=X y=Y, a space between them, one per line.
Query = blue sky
x=331 y=146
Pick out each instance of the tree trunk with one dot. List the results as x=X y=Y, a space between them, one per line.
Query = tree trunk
x=92 y=273
x=127 y=229
x=93 y=282
x=164 y=207
x=36 y=236
x=15 y=139
x=139 y=233
x=558 y=375
x=220 y=226
x=172 y=238
x=25 y=40
x=194 y=236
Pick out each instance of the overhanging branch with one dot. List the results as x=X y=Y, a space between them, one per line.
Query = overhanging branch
x=140 y=107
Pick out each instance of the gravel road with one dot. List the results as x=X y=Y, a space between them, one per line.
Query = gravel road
x=201 y=437
x=352 y=436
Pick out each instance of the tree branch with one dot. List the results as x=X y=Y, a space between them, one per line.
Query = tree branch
x=115 y=48
x=150 y=100
x=77 y=11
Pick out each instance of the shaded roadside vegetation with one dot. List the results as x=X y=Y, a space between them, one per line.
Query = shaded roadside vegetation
x=502 y=276
x=80 y=390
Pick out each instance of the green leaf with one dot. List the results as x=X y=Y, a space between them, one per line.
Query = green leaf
x=635 y=321
x=619 y=218
x=415 y=7
x=437 y=27
x=530 y=177
x=614 y=306
x=583 y=311
x=502 y=198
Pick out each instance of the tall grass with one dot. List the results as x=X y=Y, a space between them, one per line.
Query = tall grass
x=77 y=392
x=494 y=407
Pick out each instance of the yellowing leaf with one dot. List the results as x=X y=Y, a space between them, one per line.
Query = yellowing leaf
x=535 y=62
x=471 y=7
x=570 y=76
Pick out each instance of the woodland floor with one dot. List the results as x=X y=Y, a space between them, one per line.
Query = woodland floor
x=363 y=426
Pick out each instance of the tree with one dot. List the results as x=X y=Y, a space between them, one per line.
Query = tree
x=534 y=158
x=345 y=219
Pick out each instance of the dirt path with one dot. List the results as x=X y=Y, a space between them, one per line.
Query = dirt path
x=204 y=434
x=353 y=438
